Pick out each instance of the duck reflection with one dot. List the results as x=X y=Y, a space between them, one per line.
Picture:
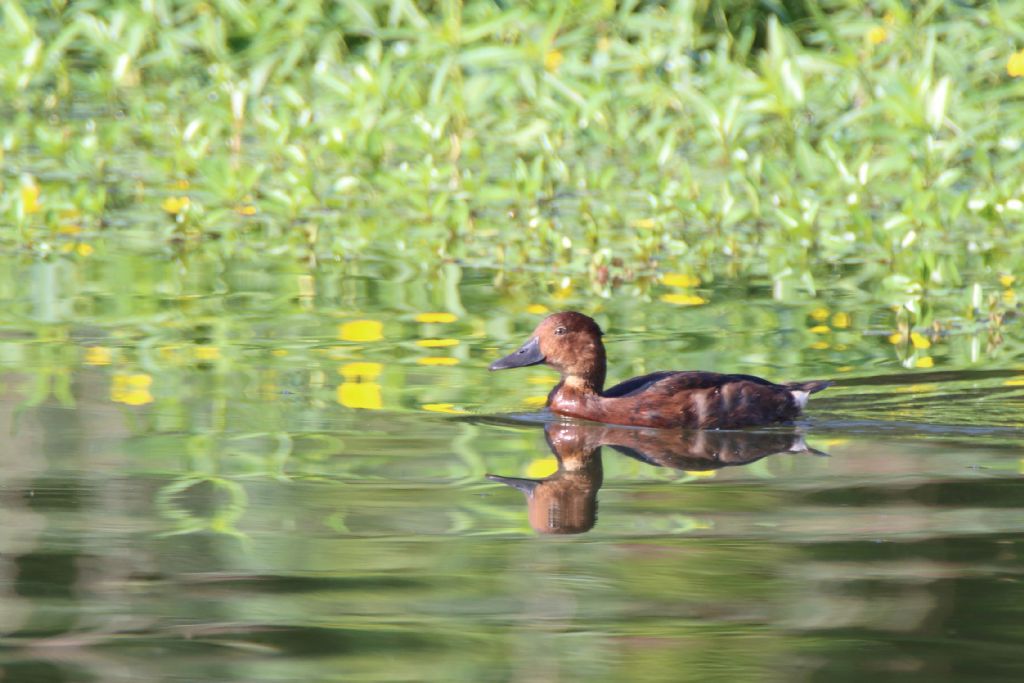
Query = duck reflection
x=566 y=501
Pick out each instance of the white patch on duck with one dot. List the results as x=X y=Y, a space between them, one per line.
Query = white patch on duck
x=800 y=396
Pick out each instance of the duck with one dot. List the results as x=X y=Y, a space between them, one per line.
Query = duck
x=570 y=342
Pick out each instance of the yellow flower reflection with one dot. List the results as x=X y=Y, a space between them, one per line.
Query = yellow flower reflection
x=821 y=329
x=841 y=320
x=437 y=360
x=436 y=317
x=364 y=395
x=536 y=401
x=131 y=389
x=436 y=343
x=361 y=371
x=820 y=314
x=877 y=35
x=684 y=299
x=359 y=390
x=361 y=331
x=97 y=355
x=537 y=309
x=924 y=362
x=206 y=353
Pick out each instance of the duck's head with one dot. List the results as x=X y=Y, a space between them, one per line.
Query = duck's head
x=570 y=342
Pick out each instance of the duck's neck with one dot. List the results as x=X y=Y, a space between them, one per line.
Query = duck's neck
x=588 y=381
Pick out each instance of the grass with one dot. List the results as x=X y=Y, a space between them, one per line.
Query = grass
x=613 y=142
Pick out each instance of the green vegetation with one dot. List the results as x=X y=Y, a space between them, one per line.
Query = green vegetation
x=613 y=141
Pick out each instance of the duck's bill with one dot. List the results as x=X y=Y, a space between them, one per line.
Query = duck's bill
x=528 y=354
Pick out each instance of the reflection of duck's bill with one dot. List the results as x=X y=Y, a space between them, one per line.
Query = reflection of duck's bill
x=525 y=485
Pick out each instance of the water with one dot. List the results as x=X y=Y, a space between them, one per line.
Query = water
x=260 y=471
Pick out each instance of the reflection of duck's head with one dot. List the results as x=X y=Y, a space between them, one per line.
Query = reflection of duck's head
x=566 y=501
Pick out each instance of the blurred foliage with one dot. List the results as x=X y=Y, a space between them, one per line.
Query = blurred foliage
x=255 y=256
x=609 y=141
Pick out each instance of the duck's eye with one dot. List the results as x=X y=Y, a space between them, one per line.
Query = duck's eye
x=560 y=330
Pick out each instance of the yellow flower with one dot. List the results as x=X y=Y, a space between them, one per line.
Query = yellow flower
x=537 y=309
x=175 y=205
x=443 y=408
x=364 y=395
x=919 y=341
x=97 y=355
x=84 y=249
x=246 y=210
x=542 y=467
x=553 y=59
x=684 y=299
x=821 y=329
x=877 y=34
x=704 y=474
x=30 y=195
x=924 y=362
x=363 y=371
x=1007 y=280
x=1015 y=382
x=680 y=280
x=361 y=331
x=536 y=401
x=820 y=314
x=1015 y=64
x=819 y=345
x=436 y=343
x=206 y=353
x=896 y=338
x=644 y=223
x=841 y=320
x=437 y=360
x=436 y=318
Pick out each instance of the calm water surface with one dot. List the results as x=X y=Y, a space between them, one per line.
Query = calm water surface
x=245 y=472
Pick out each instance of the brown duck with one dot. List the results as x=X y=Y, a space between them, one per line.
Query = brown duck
x=570 y=342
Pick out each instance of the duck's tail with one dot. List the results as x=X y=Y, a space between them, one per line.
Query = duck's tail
x=802 y=390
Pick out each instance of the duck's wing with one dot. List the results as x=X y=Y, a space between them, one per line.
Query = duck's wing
x=637 y=384
x=673 y=381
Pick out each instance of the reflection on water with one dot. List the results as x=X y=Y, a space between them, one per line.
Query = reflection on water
x=219 y=470
x=566 y=502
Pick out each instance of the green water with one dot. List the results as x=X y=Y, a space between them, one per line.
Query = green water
x=257 y=470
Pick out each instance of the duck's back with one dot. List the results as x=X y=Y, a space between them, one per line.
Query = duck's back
x=704 y=400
